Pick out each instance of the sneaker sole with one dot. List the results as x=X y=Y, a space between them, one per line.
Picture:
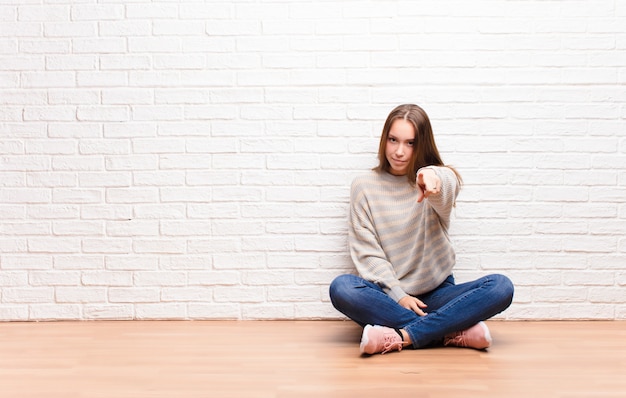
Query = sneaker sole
x=487 y=333
x=365 y=339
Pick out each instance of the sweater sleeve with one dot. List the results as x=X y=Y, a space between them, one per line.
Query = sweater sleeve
x=365 y=249
x=443 y=203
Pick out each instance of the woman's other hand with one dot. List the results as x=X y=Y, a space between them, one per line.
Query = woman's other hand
x=414 y=304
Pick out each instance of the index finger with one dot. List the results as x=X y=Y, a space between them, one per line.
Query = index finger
x=416 y=308
x=419 y=312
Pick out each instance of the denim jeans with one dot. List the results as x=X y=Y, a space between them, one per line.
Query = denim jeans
x=450 y=307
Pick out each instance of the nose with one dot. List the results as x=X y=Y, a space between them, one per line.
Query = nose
x=400 y=151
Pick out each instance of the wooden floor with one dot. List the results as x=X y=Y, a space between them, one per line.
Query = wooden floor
x=303 y=359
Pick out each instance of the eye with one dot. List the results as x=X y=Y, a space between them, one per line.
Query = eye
x=411 y=143
x=392 y=139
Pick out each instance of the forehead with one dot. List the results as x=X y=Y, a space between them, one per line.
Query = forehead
x=402 y=129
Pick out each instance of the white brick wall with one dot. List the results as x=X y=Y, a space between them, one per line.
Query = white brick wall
x=192 y=160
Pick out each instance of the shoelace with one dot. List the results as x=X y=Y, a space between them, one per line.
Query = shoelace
x=457 y=340
x=390 y=344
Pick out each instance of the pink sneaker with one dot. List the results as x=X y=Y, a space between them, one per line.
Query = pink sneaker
x=477 y=337
x=380 y=339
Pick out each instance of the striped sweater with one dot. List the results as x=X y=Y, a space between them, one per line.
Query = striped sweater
x=396 y=242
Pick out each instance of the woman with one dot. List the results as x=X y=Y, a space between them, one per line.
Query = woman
x=405 y=294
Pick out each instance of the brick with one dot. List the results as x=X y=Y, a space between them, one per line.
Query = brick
x=206 y=11
x=51 y=113
x=292 y=294
x=54 y=312
x=12 y=212
x=217 y=78
x=131 y=263
x=126 y=96
x=159 y=178
x=108 y=312
x=213 y=210
x=133 y=295
x=238 y=261
x=53 y=245
x=161 y=311
x=141 y=162
x=124 y=62
x=214 y=278
x=186 y=294
x=27 y=295
x=267 y=311
x=97 y=13
x=49 y=46
x=30 y=262
x=68 y=62
x=69 y=29
x=13 y=278
x=236 y=227
x=103 y=113
x=45 y=179
x=213 y=245
x=185 y=228
x=160 y=278
x=219 y=311
x=292 y=227
x=265 y=278
x=80 y=294
x=106 y=212
x=111 y=179
x=106 y=278
x=14 y=312
x=269 y=243
x=163 y=246
x=156 y=211
x=43 y=13
x=131 y=195
x=315 y=311
x=78 y=262
x=108 y=246
x=84 y=196
x=127 y=28
x=25 y=195
x=179 y=96
x=154 y=112
x=244 y=294
x=78 y=228
x=24 y=228
x=186 y=195
x=294 y=194
x=586 y=312
x=185 y=262
x=99 y=45
x=589 y=278
x=132 y=228
x=20 y=29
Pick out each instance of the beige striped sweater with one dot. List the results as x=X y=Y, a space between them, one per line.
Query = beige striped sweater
x=397 y=243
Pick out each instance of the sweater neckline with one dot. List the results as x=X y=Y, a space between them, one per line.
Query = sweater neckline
x=386 y=176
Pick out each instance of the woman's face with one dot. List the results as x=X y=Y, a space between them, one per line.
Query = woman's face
x=399 y=146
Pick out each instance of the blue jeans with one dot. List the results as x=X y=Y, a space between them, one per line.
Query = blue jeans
x=451 y=307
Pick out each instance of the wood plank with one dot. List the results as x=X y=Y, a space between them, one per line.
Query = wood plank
x=302 y=359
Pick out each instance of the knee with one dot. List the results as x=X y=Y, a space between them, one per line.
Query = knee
x=505 y=287
x=339 y=286
x=343 y=290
